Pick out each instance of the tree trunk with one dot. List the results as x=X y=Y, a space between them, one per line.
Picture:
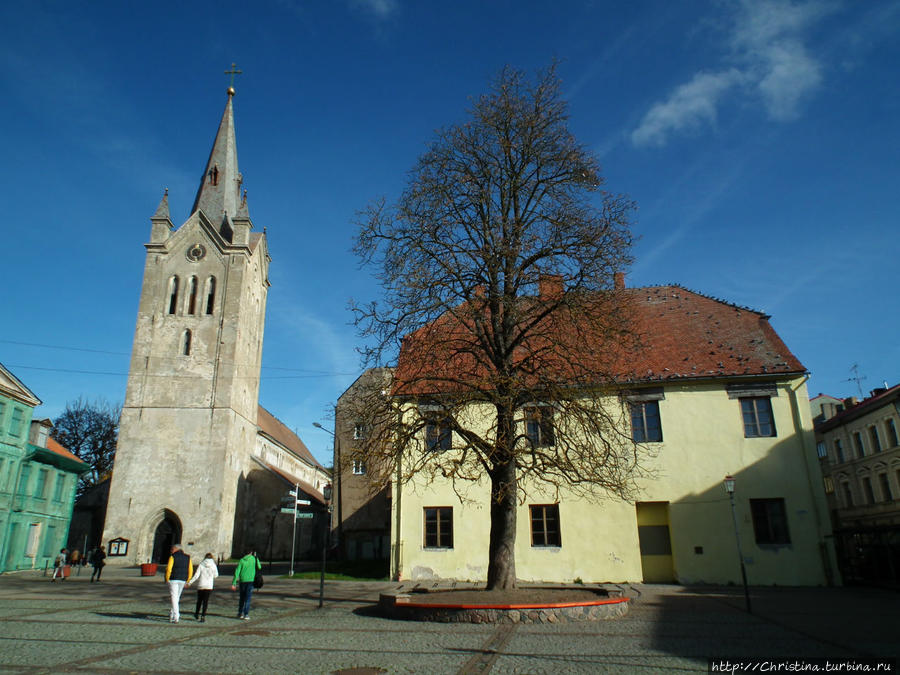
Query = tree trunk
x=502 y=551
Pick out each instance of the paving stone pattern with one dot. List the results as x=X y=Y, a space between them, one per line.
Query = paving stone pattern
x=121 y=626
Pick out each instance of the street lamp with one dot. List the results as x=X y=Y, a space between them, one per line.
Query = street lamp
x=319 y=426
x=729 y=488
x=326 y=493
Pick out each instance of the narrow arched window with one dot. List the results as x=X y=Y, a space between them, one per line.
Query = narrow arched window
x=192 y=296
x=173 y=294
x=210 y=295
x=186 y=343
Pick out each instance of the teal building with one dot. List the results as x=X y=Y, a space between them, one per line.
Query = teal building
x=38 y=478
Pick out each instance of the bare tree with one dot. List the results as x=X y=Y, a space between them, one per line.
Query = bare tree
x=90 y=431
x=497 y=265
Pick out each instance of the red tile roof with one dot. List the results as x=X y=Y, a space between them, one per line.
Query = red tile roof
x=681 y=334
x=53 y=446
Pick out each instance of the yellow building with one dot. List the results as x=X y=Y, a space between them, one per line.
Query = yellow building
x=718 y=394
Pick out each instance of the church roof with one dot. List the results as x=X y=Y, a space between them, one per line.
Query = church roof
x=272 y=426
x=220 y=185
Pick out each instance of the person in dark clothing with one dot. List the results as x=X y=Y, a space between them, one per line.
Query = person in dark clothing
x=97 y=560
x=178 y=570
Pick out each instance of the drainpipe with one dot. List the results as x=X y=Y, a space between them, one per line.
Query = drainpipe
x=397 y=505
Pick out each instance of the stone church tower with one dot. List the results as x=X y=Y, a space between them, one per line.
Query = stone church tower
x=189 y=421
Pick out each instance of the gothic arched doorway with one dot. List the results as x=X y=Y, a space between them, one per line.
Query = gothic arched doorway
x=168 y=532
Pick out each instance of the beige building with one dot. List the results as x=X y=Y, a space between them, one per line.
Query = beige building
x=859 y=448
x=718 y=394
x=199 y=460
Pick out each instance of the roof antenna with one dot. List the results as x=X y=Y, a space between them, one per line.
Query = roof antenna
x=856 y=378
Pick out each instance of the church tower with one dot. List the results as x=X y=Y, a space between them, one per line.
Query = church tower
x=189 y=420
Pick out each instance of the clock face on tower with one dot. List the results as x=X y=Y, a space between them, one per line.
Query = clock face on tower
x=196 y=252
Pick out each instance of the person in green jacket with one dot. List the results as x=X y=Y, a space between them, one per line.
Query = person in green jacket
x=244 y=575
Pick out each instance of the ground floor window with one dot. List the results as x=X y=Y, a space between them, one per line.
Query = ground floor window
x=770 y=521
x=545 y=525
x=438 y=527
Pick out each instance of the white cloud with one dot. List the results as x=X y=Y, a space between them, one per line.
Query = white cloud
x=689 y=106
x=769 y=60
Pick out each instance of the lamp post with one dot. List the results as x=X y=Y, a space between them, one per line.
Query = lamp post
x=729 y=488
x=326 y=493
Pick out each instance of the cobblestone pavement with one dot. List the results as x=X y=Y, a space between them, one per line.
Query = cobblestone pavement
x=121 y=626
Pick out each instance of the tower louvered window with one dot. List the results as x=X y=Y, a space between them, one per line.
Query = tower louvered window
x=173 y=294
x=210 y=295
x=192 y=296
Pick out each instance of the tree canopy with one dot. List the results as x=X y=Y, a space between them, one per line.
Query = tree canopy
x=497 y=266
x=90 y=431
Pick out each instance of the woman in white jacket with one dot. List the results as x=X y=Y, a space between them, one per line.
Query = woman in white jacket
x=205 y=577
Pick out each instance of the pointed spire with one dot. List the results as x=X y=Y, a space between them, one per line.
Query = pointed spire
x=162 y=211
x=220 y=184
x=243 y=211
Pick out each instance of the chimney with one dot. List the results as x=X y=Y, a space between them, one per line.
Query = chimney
x=550 y=286
x=849 y=402
x=877 y=391
x=619 y=281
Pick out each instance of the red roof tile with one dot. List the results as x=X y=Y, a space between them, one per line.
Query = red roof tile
x=680 y=334
x=53 y=446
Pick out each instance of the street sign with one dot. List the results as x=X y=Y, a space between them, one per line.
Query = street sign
x=305 y=514
x=303 y=502
x=284 y=510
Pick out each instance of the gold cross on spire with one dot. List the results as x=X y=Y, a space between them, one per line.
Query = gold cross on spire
x=234 y=71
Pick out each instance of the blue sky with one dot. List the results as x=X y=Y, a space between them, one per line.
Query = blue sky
x=761 y=141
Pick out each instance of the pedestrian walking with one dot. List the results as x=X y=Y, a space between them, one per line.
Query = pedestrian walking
x=178 y=570
x=205 y=577
x=59 y=566
x=244 y=576
x=98 y=558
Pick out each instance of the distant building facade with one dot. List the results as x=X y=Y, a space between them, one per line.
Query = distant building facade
x=361 y=518
x=198 y=460
x=38 y=478
x=859 y=448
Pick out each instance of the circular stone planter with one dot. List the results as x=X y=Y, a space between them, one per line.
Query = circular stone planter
x=438 y=604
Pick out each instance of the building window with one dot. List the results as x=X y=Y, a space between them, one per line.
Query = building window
x=359 y=467
x=41 y=484
x=820 y=450
x=770 y=521
x=545 y=525
x=360 y=431
x=192 y=295
x=757 y=412
x=539 y=426
x=438 y=527
x=646 y=426
x=885 y=487
x=858 y=444
x=173 y=294
x=186 y=343
x=868 y=491
x=889 y=427
x=848 y=494
x=15 y=422
x=23 y=479
x=437 y=435
x=876 y=442
x=49 y=542
x=838 y=450
x=58 y=487
x=829 y=485
x=210 y=295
